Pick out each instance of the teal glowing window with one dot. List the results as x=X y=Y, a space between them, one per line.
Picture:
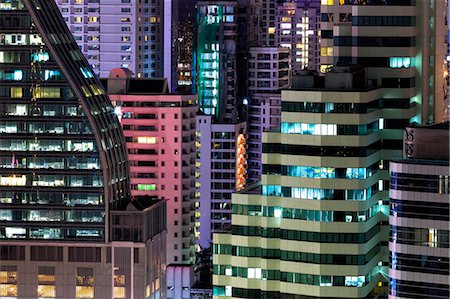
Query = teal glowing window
x=86 y=73
x=400 y=62
x=40 y=57
x=147 y=187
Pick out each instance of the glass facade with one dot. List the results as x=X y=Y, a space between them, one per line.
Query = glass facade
x=52 y=182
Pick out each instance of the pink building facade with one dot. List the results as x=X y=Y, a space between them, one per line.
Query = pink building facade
x=159 y=129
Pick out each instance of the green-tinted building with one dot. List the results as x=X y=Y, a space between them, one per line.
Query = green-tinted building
x=216 y=40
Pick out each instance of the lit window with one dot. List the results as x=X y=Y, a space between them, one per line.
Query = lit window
x=254 y=273
x=146 y=187
x=16 y=92
x=8 y=283
x=46 y=291
x=147 y=140
x=119 y=286
x=399 y=62
x=355 y=281
x=13 y=180
x=326 y=51
x=327 y=2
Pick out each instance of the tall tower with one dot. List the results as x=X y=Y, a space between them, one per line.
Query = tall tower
x=139 y=35
x=65 y=206
x=216 y=45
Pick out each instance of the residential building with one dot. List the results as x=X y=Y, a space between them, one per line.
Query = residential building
x=269 y=72
x=139 y=35
x=68 y=226
x=419 y=215
x=216 y=46
x=159 y=129
x=221 y=168
x=297 y=28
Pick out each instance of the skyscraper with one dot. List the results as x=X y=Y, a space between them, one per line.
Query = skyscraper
x=65 y=205
x=318 y=202
x=419 y=215
x=139 y=35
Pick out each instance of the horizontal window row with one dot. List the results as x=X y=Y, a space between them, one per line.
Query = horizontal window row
x=51 y=233
x=374 y=41
x=379 y=2
x=330 y=129
x=20 y=39
x=270 y=232
x=420 y=209
x=320 y=172
x=296 y=256
x=34 y=197
x=439 y=184
x=301 y=278
x=72 y=162
x=329 y=107
x=45 y=128
x=384 y=21
x=92 y=180
x=44 y=92
x=37 y=110
x=309 y=215
x=336 y=151
x=319 y=194
x=47 y=145
x=414 y=289
x=419 y=263
x=29 y=75
x=51 y=215
x=427 y=237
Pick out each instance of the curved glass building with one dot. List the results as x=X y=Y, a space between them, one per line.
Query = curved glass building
x=67 y=226
x=62 y=153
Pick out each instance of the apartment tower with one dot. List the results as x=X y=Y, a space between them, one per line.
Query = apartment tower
x=139 y=35
x=159 y=130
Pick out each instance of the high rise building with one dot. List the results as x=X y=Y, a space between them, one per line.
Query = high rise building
x=405 y=86
x=68 y=228
x=408 y=63
x=269 y=72
x=221 y=162
x=419 y=215
x=312 y=226
x=297 y=28
x=185 y=55
x=159 y=129
x=216 y=45
x=139 y=35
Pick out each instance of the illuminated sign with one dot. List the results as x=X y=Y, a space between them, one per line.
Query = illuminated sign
x=241 y=162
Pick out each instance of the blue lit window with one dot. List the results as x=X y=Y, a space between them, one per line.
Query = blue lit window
x=271 y=190
x=40 y=57
x=355 y=281
x=52 y=74
x=86 y=73
x=399 y=62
